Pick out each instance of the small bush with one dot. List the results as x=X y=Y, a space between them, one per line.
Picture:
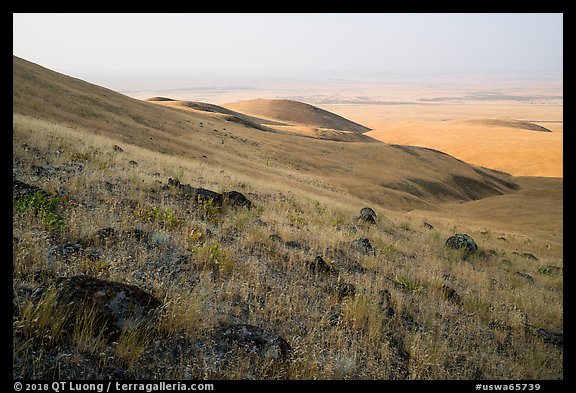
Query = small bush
x=165 y=217
x=412 y=285
x=211 y=255
x=43 y=207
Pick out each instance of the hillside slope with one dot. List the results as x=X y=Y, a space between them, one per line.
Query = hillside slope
x=392 y=176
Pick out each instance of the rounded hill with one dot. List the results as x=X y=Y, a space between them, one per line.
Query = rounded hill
x=296 y=113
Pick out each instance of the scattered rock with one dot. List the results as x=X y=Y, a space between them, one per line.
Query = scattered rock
x=367 y=215
x=293 y=244
x=462 y=240
x=118 y=307
x=526 y=277
x=386 y=303
x=254 y=340
x=117 y=148
x=346 y=290
x=363 y=246
x=450 y=294
x=105 y=235
x=318 y=265
x=275 y=237
x=529 y=255
x=399 y=359
x=236 y=199
x=199 y=195
x=545 y=335
x=21 y=189
x=138 y=235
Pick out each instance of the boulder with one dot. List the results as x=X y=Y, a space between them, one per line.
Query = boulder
x=117 y=306
x=367 y=215
x=236 y=199
x=462 y=240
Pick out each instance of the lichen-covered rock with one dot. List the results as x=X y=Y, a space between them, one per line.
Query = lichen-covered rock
x=367 y=215
x=363 y=246
x=117 y=307
x=462 y=240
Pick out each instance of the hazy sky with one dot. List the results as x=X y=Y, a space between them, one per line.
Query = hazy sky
x=131 y=45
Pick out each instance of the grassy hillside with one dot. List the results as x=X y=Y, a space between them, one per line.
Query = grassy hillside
x=391 y=176
x=322 y=294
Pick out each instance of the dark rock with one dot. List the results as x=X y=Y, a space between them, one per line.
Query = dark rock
x=409 y=322
x=318 y=265
x=117 y=148
x=450 y=294
x=105 y=234
x=399 y=359
x=65 y=251
x=21 y=189
x=502 y=238
x=39 y=171
x=202 y=195
x=133 y=163
x=363 y=246
x=462 y=240
x=236 y=199
x=428 y=226
x=526 y=277
x=545 y=335
x=254 y=340
x=385 y=303
x=529 y=255
x=155 y=174
x=275 y=237
x=367 y=215
x=182 y=259
x=293 y=244
x=138 y=235
x=346 y=290
x=334 y=318
x=118 y=307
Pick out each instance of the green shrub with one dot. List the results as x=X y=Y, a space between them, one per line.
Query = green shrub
x=43 y=207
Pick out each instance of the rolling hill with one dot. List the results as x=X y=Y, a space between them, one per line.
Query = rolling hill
x=302 y=118
x=392 y=176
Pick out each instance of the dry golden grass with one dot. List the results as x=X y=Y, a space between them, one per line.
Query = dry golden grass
x=239 y=266
x=466 y=131
x=268 y=283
